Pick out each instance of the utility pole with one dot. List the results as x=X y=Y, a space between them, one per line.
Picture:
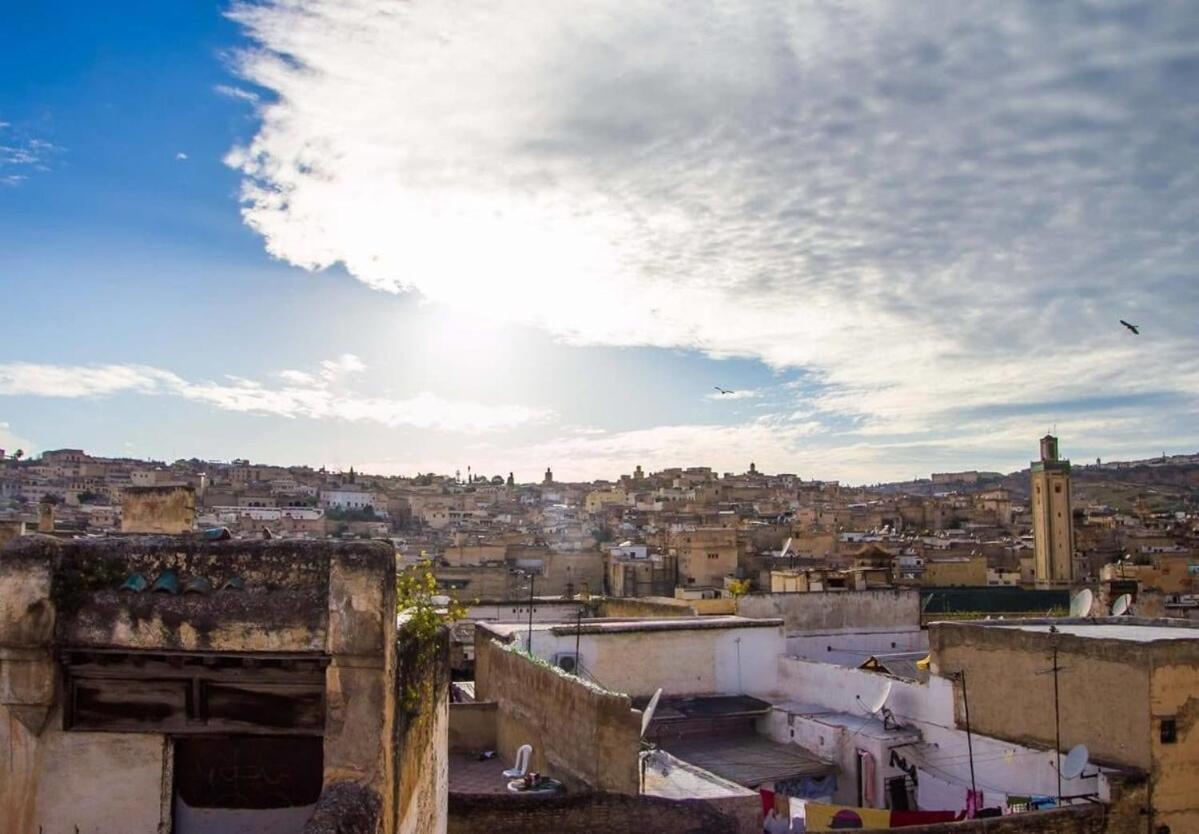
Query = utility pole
x=532 y=582
x=969 y=737
x=1057 y=729
x=578 y=634
x=1057 y=718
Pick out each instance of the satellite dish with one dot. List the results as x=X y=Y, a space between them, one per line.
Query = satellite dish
x=1076 y=761
x=786 y=548
x=648 y=715
x=873 y=703
x=1080 y=603
x=1121 y=605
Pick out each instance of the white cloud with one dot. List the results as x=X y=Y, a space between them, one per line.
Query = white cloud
x=237 y=93
x=316 y=396
x=181 y=156
x=927 y=207
x=21 y=155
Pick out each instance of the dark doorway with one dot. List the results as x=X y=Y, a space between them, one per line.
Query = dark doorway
x=245 y=784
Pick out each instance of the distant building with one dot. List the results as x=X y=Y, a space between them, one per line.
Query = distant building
x=549 y=476
x=1052 y=516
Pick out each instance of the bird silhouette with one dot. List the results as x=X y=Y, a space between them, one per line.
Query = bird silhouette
x=723 y=391
x=1135 y=328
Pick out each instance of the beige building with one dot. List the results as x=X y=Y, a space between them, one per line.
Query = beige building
x=1126 y=688
x=705 y=555
x=954 y=570
x=1052 y=516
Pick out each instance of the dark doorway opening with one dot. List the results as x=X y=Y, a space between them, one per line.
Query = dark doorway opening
x=245 y=784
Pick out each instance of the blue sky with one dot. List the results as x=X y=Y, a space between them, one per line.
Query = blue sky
x=431 y=235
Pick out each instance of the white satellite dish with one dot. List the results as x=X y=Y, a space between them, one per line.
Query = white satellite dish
x=1080 y=603
x=648 y=715
x=1121 y=605
x=873 y=702
x=1076 y=761
x=786 y=548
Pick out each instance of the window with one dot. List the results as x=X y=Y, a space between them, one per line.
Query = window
x=1057 y=488
x=1169 y=731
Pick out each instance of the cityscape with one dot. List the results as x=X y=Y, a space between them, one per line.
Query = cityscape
x=507 y=417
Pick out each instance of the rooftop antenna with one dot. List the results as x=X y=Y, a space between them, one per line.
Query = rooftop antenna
x=1080 y=603
x=648 y=748
x=1076 y=761
x=1121 y=605
x=875 y=701
x=1054 y=670
x=650 y=708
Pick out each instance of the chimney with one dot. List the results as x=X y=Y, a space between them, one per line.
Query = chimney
x=45 y=516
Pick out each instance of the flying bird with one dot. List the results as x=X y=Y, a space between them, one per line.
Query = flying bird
x=1135 y=328
x=723 y=391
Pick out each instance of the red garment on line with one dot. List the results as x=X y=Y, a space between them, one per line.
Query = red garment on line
x=899 y=819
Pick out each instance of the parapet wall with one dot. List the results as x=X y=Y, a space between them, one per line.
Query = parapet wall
x=586 y=813
x=887 y=609
x=582 y=735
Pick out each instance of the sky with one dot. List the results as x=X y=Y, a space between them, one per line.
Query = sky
x=423 y=236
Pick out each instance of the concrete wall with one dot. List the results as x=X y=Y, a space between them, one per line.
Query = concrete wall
x=928 y=708
x=882 y=610
x=646 y=607
x=681 y=661
x=1103 y=690
x=585 y=814
x=158 y=509
x=472 y=727
x=825 y=645
x=582 y=735
x=1078 y=820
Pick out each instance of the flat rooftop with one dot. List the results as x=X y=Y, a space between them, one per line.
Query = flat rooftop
x=748 y=760
x=858 y=725
x=1107 y=630
x=624 y=625
x=673 y=778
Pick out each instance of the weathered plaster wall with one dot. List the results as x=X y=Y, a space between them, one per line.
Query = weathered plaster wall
x=1175 y=781
x=104 y=783
x=158 y=509
x=472 y=727
x=422 y=730
x=584 y=736
x=304 y=597
x=882 y=610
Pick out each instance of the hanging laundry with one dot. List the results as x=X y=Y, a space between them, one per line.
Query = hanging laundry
x=821 y=817
x=868 y=796
x=901 y=819
x=767 y=800
x=808 y=787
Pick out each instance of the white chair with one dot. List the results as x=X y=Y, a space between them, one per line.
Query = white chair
x=521 y=767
